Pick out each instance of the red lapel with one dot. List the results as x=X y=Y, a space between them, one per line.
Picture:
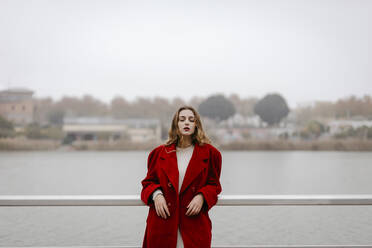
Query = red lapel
x=197 y=163
x=169 y=165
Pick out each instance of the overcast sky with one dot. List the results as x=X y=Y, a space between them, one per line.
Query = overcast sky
x=304 y=50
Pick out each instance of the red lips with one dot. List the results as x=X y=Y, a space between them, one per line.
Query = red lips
x=186 y=129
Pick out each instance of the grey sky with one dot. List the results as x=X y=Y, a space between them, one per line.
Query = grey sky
x=305 y=50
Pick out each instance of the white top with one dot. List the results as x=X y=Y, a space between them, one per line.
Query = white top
x=183 y=158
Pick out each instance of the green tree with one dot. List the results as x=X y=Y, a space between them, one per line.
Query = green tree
x=6 y=128
x=4 y=123
x=271 y=109
x=315 y=128
x=217 y=107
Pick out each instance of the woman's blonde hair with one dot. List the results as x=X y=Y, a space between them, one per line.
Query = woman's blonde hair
x=175 y=136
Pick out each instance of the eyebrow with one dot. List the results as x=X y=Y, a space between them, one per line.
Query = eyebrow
x=185 y=116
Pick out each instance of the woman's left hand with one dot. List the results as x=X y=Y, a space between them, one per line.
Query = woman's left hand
x=195 y=205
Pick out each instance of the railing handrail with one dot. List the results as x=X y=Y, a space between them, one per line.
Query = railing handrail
x=213 y=246
x=217 y=246
x=223 y=200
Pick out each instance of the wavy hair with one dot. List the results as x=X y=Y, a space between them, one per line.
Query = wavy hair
x=175 y=136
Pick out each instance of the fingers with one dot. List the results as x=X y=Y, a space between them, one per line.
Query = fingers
x=158 y=212
x=161 y=207
x=167 y=210
x=193 y=209
x=162 y=212
x=188 y=211
x=195 y=205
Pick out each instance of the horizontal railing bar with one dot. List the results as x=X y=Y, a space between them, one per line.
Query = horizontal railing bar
x=223 y=200
x=232 y=246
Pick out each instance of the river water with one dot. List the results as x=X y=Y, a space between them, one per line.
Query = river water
x=119 y=173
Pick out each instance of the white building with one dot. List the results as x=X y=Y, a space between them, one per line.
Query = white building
x=239 y=120
x=91 y=128
x=337 y=126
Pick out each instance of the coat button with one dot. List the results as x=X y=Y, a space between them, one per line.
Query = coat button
x=169 y=204
x=169 y=184
x=193 y=189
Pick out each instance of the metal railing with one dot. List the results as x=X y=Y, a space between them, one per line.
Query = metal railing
x=223 y=200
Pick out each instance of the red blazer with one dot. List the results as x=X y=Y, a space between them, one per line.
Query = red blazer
x=202 y=176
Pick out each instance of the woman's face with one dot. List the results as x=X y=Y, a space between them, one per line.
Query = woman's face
x=186 y=122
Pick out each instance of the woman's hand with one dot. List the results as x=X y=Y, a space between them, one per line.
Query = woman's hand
x=161 y=206
x=195 y=205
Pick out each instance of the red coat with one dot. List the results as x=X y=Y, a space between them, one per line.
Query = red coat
x=202 y=176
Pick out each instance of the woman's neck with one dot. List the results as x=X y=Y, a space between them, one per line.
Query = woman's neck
x=185 y=143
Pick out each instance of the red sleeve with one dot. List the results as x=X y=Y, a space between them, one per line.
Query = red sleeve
x=213 y=187
x=151 y=182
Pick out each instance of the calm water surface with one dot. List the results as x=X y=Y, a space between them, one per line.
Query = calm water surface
x=242 y=173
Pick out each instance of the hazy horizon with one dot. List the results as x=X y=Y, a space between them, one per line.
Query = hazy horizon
x=304 y=50
x=302 y=104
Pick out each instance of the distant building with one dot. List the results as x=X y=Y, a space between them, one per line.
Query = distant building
x=337 y=126
x=253 y=121
x=228 y=135
x=17 y=106
x=271 y=133
x=239 y=120
x=96 y=128
x=241 y=134
x=239 y=128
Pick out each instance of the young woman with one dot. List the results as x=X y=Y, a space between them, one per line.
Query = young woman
x=182 y=184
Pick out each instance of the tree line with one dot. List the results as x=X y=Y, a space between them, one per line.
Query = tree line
x=345 y=108
x=271 y=109
x=216 y=107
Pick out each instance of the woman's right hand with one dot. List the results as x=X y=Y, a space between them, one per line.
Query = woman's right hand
x=161 y=206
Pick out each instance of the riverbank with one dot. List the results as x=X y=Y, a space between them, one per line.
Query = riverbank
x=22 y=144
x=314 y=145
